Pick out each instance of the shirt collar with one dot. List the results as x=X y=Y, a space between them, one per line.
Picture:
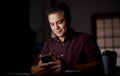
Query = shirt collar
x=69 y=35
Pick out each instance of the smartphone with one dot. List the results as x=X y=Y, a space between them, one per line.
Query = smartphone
x=46 y=58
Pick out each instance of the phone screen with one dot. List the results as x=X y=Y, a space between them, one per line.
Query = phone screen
x=46 y=58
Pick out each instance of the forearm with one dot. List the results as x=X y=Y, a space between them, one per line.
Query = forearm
x=85 y=67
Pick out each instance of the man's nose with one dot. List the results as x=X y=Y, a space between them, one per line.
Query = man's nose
x=56 y=26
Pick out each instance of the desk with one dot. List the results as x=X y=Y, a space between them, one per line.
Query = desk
x=49 y=74
x=66 y=73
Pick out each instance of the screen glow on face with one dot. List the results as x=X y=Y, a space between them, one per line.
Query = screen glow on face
x=57 y=23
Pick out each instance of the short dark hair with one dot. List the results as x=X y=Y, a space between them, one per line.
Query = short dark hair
x=59 y=6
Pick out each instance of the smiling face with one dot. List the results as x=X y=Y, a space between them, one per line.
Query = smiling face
x=57 y=23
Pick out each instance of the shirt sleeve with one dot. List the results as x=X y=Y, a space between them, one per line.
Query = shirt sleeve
x=91 y=50
x=44 y=50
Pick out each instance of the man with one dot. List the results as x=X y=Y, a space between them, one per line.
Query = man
x=69 y=50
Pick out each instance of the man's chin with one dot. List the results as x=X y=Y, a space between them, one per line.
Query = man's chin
x=58 y=35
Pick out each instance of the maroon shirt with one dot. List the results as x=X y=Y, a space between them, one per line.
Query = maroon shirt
x=78 y=48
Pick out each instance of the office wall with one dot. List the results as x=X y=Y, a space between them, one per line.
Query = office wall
x=81 y=11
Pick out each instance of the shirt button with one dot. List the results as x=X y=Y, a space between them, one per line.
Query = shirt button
x=61 y=55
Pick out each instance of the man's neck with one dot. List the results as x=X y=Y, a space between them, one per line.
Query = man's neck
x=62 y=39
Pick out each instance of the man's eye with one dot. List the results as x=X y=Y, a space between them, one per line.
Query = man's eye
x=60 y=22
x=51 y=24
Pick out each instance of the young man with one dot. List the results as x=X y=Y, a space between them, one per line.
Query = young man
x=69 y=50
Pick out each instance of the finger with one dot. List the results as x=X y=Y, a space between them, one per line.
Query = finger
x=55 y=68
x=40 y=56
x=40 y=59
x=43 y=65
x=54 y=56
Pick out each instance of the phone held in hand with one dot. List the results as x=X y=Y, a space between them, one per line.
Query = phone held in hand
x=46 y=58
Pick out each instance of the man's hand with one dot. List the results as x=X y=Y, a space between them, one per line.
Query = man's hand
x=57 y=65
x=37 y=70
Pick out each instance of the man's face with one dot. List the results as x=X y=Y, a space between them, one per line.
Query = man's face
x=58 y=23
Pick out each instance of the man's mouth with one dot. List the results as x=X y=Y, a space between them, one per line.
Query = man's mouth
x=58 y=32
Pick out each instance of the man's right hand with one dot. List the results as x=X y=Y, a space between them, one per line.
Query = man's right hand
x=37 y=70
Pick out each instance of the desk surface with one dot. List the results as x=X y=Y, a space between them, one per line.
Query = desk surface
x=66 y=73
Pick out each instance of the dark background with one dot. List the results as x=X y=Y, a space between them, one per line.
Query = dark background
x=17 y=39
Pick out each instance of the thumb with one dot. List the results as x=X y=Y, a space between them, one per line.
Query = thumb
x=40 y=58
